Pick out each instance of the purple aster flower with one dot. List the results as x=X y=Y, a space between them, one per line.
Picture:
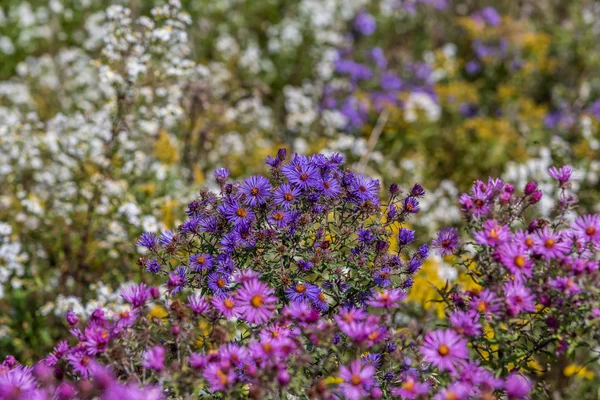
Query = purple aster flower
x=493 y=234
x=201 y=262
x=221 y=175
x=302 y=292
x=514 y=257
x=391 y=82
x=445 y=349
x=423 y=251
x=219 y=283
x=473 y=67
x=489 y=15
x=550 y=244
x=154 y=358
x=302 y=175
x=378 y=56
x=304 y=265
x=411 y=205
x=148 y=240
x=96 y=339
x=320 y=302
x=329 y=188
x=417 y=191
x=517 y=386
x=71 y=318
x=256 y=188
x=357 y=379
x=256 y=301
x=365 y=188
x=562 y=174
x=198 y=304
x=594 y=109
x=236 y=213
x=447 y=241
x=166 y=238
x=286 y=195
x=136 y=295
x=518 y=298
x=405 y=236
x=387 y=299
x=125 y=319
x=382 y=277
x=152 y=266
x=279 y=218
x=588 y=227
x=365 y=23
x=466 y=322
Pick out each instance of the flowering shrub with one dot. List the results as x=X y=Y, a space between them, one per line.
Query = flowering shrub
x=295 y=284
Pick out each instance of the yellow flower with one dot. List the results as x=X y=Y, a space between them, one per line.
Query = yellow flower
x=157 y=312
x=333 y=380
x=165 y=150
x=578 y=371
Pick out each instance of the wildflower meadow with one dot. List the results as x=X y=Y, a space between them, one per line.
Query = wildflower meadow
x=310 y=199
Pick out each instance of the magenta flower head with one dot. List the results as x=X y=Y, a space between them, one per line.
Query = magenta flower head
x=444 y=349
x=356 y=379
x=387 y=299
x=518 y=298
x=517 y=386
x=18 y=383
x=530 y=187
x=550 y=244
x=411 y=388
x=198 y=304
x=136 y=295
x=72 y=318
x=562 y=174
x=515 y=257
x=447 y=241
x=493 y=234
x=154 y=359
x=466 y=322
x=256 y=301
x=588 y=227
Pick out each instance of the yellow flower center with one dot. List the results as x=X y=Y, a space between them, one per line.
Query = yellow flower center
x=228 y=304
x=494 y=234
x=443 y=350
x=519 y=261
x=257 y=301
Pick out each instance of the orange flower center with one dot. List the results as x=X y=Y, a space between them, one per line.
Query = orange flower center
x=254 y=191
x=529 y=242
x=288 y=197
x=220 y=282
x=326 y=185
x=443 y=350
x=304 y=177
x=356 y=380
x=241 y=212
x=482 y=306
x=322 y=296
x=590 y=231
x=228 y=304
x=519 y=261
x=494 y=234
x=257 y=301
x=267 y=347
x=373 y=335
x=549 y=243
x=222 y=377
x=200 y=259
x=278 y=216
x=408 y=385
x=300 y=288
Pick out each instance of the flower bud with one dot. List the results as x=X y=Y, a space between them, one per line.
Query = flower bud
x=530 y=187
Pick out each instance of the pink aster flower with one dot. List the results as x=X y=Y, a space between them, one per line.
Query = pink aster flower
x=514 y=257
x=562 y=174
x=356 y=379
x=411 y=389
x=517 y=386
x=550 y=244
x=219 y=378
x=387 y=299
x=154 y=358
x=445 y=349
x=18 y=383
x=518 y=298
x=588 y=227
x=466 y=322
x=256 y=301
x=492 y=234
x=486 y=303
x=565 y=284
x=447 y=241
x=136 y=295
x=198 y=304
x=455 y=391
x=525 y=238
x=228 y=306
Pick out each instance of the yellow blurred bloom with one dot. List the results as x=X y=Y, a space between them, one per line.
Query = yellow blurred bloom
x=578 y=371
